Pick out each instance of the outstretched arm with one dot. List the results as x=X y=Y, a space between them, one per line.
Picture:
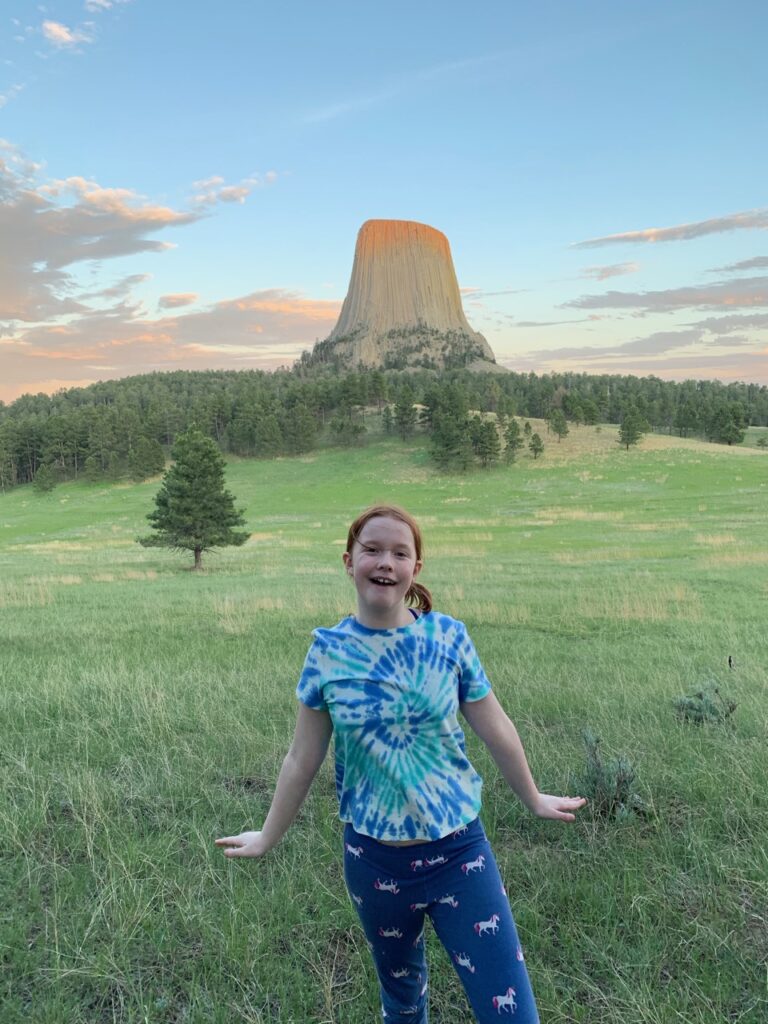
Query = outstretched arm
x=300 y=766
x=488 y=719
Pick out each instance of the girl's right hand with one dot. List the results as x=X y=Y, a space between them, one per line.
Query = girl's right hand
x=247 y=844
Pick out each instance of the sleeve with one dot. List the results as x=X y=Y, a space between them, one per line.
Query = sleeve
x=473 y=682
x=310 y=686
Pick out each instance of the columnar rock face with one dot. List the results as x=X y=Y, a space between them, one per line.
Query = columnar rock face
x=403 y=306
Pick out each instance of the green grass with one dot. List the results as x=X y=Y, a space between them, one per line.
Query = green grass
x=145 y=710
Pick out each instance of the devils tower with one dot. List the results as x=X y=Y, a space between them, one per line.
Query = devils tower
x=403 y=306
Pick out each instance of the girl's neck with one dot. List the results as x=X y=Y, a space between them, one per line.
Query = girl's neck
x=391 y=618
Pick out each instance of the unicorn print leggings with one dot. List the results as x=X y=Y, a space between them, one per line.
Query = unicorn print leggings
x=456 y=883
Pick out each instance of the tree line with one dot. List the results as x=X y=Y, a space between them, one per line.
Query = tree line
x=126 y=427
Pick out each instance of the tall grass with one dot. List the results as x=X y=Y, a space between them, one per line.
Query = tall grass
x=145 y=710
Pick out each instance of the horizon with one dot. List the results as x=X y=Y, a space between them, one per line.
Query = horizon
x=601 y=187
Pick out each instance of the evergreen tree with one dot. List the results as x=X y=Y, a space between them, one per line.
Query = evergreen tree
x=299 y=430
x=527 y=430
x=536 y=445
x=727 y=423
x=513 y=439
x=346 y=428
x=405 y=412
x=558 y=424
x=45 y=479
x=387 y=419
x=451 y=445
x=632 y=428
x=485 y=441
x=193 y=510
x=146 y=459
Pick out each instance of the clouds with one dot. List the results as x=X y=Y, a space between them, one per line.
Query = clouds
x=62 y=37
x=174 y=301
x=51 y=231
x=613 y=270
x=756 y=263
x=747 y=220
x=9 y=94
x=215 y=190
x=46 y=228
x=263 y=329
x=750 y=291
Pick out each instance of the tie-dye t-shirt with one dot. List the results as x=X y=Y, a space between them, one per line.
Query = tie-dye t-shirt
x=393 y=696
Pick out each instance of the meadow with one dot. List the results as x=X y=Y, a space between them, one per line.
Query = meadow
x=145 y=710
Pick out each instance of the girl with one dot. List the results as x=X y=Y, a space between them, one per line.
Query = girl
x=388 y=682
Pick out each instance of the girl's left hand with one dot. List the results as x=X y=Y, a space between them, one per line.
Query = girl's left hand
x=558 y=807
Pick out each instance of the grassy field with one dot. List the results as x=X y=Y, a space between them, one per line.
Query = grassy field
x=146 y=710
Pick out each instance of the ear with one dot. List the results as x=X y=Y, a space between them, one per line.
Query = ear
x=347 y=559
x=417 y=569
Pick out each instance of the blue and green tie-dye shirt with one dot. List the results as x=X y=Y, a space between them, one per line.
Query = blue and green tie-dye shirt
x=393 y=695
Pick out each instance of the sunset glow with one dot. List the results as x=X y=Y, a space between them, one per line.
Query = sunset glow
x=203 y=214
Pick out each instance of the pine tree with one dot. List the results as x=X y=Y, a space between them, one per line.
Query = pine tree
x=536 y=445
x=405 y=412
x=193 y=510
x=451 y=445
x=45 y=479
x=558 y=424
x=513 y=439
x=527 y=430
x=485 y=441
x=146 y=459
x=632 y=428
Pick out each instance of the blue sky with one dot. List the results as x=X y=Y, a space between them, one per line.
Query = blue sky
x=181 y=184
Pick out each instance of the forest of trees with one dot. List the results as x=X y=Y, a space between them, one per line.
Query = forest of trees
x=125 y=428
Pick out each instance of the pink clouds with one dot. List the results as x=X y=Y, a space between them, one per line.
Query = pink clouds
x=748 y=219
x=61 y=36
x=180 y=299
x=262 y=330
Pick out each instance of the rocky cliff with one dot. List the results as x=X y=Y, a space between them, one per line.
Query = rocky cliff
x=403 y=306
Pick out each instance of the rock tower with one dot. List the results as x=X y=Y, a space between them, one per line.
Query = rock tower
x=403 y=306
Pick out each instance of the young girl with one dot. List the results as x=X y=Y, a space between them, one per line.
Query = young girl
x=389 y=682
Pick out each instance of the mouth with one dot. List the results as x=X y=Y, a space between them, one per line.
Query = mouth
x=383 y=581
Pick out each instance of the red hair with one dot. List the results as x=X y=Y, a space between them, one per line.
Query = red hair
x=417 y=594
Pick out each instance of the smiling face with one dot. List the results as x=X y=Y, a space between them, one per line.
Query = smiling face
x=383 y=564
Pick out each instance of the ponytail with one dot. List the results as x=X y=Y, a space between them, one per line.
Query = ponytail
x=420 y=597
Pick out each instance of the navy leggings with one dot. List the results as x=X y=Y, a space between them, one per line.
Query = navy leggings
x=454 y=881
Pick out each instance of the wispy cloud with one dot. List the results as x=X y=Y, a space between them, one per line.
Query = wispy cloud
x=63 y=37
x=553 y=323
x=612 y=270
x=756 y=263
x=652 y=344
x=9 y=94
x=99 y=6
x=747 y=220
x=404 y=84
x=215 y=190
x=749 y=291
x=178 y=299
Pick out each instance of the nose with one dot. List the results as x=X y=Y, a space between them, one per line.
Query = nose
x=384 y=560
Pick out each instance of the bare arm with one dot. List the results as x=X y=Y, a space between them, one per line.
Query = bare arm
x=300 y=766
x=491 y=723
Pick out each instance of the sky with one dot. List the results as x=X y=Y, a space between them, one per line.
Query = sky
x=181 y=184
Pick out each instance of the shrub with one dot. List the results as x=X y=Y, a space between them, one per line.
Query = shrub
x=705 y=705
x=608 y=784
